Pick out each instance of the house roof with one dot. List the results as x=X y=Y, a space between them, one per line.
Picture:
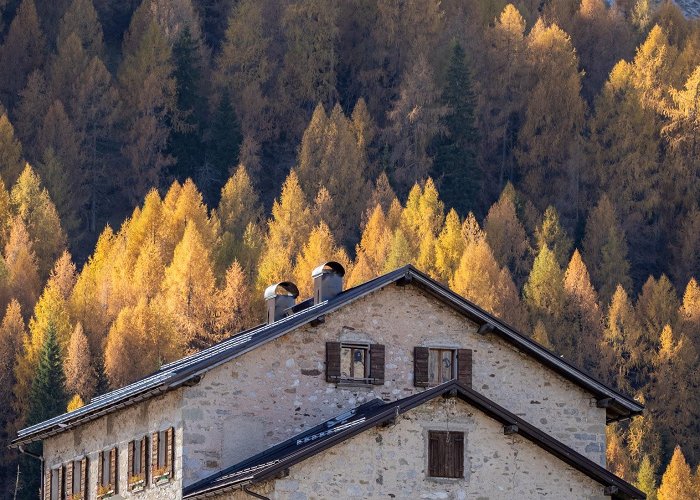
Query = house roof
x=188 y=370
x=277 y=459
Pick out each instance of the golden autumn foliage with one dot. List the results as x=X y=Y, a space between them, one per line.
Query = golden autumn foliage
x=677 y=481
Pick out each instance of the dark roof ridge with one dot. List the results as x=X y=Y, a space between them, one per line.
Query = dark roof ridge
x=277 y=459
x=188 y=369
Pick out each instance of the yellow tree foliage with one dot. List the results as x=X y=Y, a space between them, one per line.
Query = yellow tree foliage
x=373 y=249
x=677 y=481
x=540 y=335
x=657 y=306
x=449 y=247
x=141 y=339
x=480 y=279
x=621 y=355
x=235 y=307
x=551 y=233
x=319 y=248
x=149 y=271
x=80 y=375
x=617 y=460
x=189 y=289
x=239 y=204
x=400 y=252
x=580 y=340
x=544 y=290
x=10 y=150
x=75 y=402
x=22 y=269
x=690 y=310
x=12 y=333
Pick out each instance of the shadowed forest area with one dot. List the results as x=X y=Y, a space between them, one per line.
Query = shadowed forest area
x=163 y=161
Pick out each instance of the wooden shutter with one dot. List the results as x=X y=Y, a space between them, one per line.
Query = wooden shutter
x=170 y=450
x=376 y=363
x=61 y=484
x=113 y=468
x=154 y=454
x=464 y=366
x=47 y=483
x=69 y=479
x=332 y=361
x=83 y=476
x=420 y=366
x=457 y=454
x=143 y=456
x=130 y=459
x=434 y=454
x=100 y=461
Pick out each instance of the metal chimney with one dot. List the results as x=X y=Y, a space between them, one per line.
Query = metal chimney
x=278 y=298
x=328 y=281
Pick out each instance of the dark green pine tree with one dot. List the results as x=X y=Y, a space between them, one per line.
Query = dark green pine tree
x=185 y=143
x=47 y=398
x=455 y=167
x=223 y=146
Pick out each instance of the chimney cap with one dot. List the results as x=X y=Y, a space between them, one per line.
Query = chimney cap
x=282 y=288
x=329 y=267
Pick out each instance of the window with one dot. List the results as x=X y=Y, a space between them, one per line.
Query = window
x=162 y=457
x=54 y=486
x=446 y=454
x=355 y=362
x=107 y=473
x=75 y=484
x=434 y=366
x=137 y=464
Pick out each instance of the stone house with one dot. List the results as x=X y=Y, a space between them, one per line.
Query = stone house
x=517 y=421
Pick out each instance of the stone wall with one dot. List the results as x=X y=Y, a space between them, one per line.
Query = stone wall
x=391 y=463
x=279 y=389
x=120 y=428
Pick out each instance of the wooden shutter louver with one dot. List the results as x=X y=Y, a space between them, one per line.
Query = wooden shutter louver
x=464 y=366
x=154 y=454
x=60 y=482
x=170 y=450
x=376 y=363
x=100 y=459
x=47 y=483
x=420 y=367
x=332 y=361
x=113 y=468
x=69 y=479
x=83 y=476
x=142 y=451
x=130 y=459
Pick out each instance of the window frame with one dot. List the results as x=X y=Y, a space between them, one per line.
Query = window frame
x=137 y=479
x=446 y=461
x=107 y=484
x=374 y=363
x=440 y=368
x=162 y=462
x=364 y=347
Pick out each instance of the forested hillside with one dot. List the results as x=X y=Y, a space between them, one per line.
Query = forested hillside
x=162 y=161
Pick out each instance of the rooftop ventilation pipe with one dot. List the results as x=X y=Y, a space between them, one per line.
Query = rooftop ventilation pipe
x=328 y=281
x=278 y=298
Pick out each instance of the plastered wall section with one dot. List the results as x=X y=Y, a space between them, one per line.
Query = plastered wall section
x=392 y=462
x=118 y=429
x=279 y=389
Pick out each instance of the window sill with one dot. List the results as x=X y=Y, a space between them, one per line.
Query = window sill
x=106 y=494
x=137 y=486
x=162 y=479
x=355 y=383
x=445 y=480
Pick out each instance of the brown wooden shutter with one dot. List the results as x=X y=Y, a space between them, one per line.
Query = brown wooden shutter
x=69 y=479
x=434 y=460
x=420 y=366
x=100 y=459
x=47 y=483
x=464 y=366
x=332 y=361
x=61 y=483
x=130 y=459
x=376 y=363
x=154 y=454
x=170 y=450
x=457 y=449
x=143 y=456
x=113 y=468
x=83 y=476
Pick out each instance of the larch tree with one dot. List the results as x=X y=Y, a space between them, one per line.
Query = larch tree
x=148 y=92
x=373 y=249
x=189 y=289
x=481 y=280
x=12 y=333
x=319 y=248
x=400 y=252
x=80 y=375
x=689 y=314
x=449 y=247
x=23 y=50
x=646 y=479
x=455 y=166
x=288 y=229
x=551 y=233
x=34 y=101
x=414 y=121
x=81 y=18
x=239 y=204
x=70 y=61
x=22 y=268
x=543 y=292
x=677 y=481
x=621 y=356
x=657 y=306
x=507 y=237
x=605 y=250
x=32 y=204
x=235 y=307
x=10 y=151
x=685 y=248
x=553 y=121
x=580 y=340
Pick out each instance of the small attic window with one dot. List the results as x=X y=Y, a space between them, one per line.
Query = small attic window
x=355 y=363
x=446 y=454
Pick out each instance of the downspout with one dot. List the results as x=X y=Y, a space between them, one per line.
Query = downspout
x=38 y=457
x=256 y=495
